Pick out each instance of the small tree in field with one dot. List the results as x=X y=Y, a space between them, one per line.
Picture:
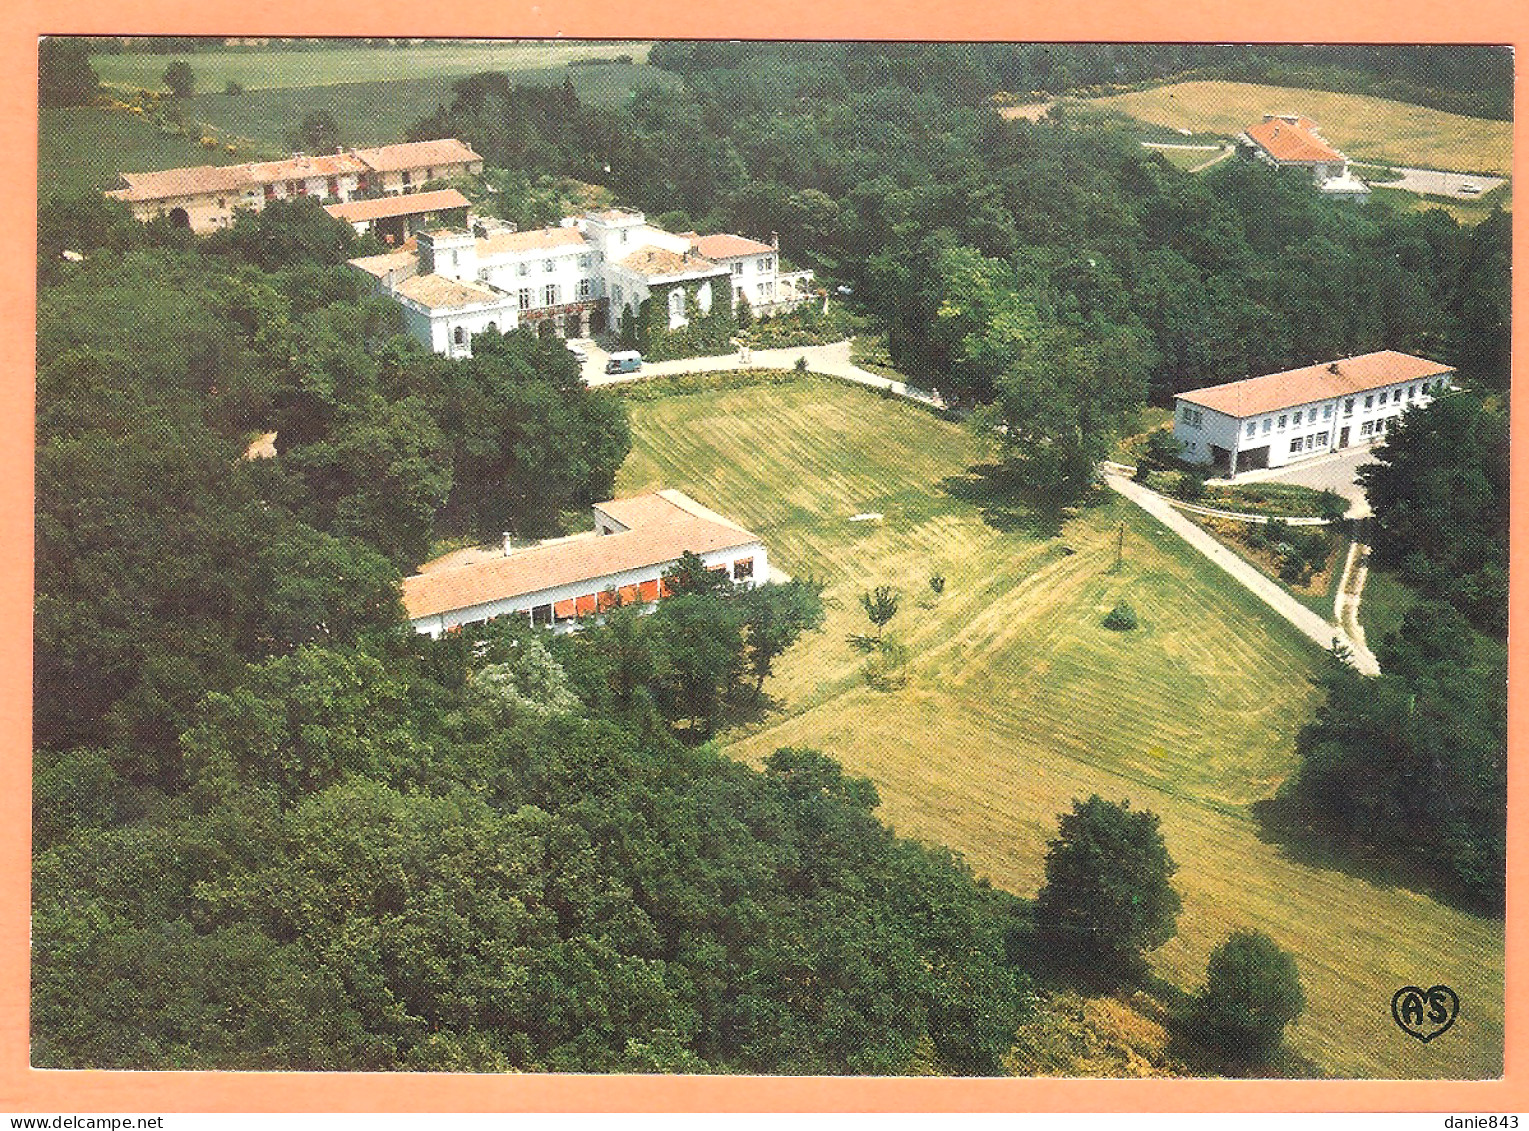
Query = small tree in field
x=1252 y=991
x=179 y=78
x=880 y=606
x=1107 y=898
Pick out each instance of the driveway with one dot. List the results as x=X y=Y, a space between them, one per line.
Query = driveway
x=1323 y=473
x=1436 y=182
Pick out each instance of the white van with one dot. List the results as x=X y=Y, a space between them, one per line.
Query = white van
x=624 y=361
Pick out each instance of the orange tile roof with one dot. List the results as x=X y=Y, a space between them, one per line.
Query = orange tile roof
x=388 y=261
x=727 y=246
x=195 y=181
x=656 y=262
x=440 y=293
x=1296 y=141
x=1295 y=387
x=666 y=524
x=410 y=204
x=301 y=167
x=537 y=239
x=417 y=154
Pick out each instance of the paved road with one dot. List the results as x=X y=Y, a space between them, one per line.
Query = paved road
x=1436 y=182
x=1309 y=623
x=831 y=360
x=1333 y=472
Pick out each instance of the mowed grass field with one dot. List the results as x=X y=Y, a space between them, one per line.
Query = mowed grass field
x=1365 y=128
x=265 y=68
x=1019 y=701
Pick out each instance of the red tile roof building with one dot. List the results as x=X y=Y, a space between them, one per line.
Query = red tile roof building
x=555 y=583
x=205 y=198
x=1277 y=418
x=1294 y=141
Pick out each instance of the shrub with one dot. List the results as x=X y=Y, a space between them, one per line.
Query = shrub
x=1252 y=991
x=1331 y=505
x=1122 y=618
x=937 y=583
x=1191 y=485
x=801 y=365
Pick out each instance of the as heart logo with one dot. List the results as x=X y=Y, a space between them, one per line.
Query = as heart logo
x=1425 y=1014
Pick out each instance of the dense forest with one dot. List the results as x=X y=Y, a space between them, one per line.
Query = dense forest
x=273 y=829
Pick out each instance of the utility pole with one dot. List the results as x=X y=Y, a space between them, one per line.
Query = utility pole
x=1120 y=548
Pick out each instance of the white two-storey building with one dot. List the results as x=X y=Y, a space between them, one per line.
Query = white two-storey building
x=1279 y=418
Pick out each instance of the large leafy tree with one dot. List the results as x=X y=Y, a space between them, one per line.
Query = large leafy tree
x=1107 y=897
x=1439 y=490
x=64 y=74
x=1252 y=991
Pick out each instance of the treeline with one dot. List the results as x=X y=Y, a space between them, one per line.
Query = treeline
x=1408 y=770
x=274 y=829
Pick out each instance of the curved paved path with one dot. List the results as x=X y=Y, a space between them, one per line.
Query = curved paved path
x=1323 y=633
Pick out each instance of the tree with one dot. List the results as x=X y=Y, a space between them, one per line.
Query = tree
x=774 y=618
x=880 y=605
x=179 y=78
x=1107 y=898
x=1252 y=991
x=64 y=74
x=319 y=132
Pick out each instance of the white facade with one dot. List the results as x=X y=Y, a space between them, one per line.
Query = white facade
x=1295 y=432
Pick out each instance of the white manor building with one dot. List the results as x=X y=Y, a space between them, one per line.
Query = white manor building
x=1279 y=418
x=580 y=276
x=559 y=582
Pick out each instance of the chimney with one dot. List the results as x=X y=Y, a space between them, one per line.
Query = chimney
x=1333 y=368
x=775 y=240
x=508 y=548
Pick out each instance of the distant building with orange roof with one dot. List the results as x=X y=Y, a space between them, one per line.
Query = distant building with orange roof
x=1293 y=141
x=559 y=582
x=1278 y=418
x=206 y=197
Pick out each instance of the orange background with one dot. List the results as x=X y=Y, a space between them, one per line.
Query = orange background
x=22 y=1089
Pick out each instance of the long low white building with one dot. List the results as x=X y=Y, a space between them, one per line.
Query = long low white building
x=1279 y=418
x=559 y=582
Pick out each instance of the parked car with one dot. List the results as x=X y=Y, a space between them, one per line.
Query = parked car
x=1470 y=188
x=579 y=352
x=624 y=361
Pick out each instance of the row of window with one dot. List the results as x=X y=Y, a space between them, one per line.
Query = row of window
x=1308 y=443
x=1293 y=420
x=765 y=264
x=1193 y=416
x=550 y=266
x=552 y=294
x=639 y=593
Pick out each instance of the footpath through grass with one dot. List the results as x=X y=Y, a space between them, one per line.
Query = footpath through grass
x=1018 y=700
x=1364 y=128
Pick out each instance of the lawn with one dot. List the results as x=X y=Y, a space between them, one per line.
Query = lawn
x=265 y=68
x=1019 y=701
x=1465 y=211
x=1365 y=128
x=87 y=148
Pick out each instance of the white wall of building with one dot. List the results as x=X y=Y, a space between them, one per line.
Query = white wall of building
x=1303 y=431
x=438 y=623
x=439 y=329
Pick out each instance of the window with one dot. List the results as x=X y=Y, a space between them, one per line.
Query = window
x=1297 y=419
x=1282 y=422
x=1322 y=439
x=1268 y=424
x=1367 y=428
x=541 y=615
x=676 y=307
x=767 y=263
x=550 y=294
x=1311 y=442
x=1327 y=412
x=1411 y=390
x=334 y=186
x=617 y=294
x=1369 y=402
x=1252 y=428
x=738 y=267
x=1295 y=445
x=525 y=298
x=743 y=569
x=221 y=203
x=459 y=335
x=584 y=261
x=549 y=266
x=623 y=235
x=1348 y=407
x=270 y=192
x=584 y=288
x=1383 y=398
x=1380 y=426
x=522 y=269
x=406 y=178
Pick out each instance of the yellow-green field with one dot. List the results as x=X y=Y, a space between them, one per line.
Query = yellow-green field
x=1018 y=700
x=1365 y=128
